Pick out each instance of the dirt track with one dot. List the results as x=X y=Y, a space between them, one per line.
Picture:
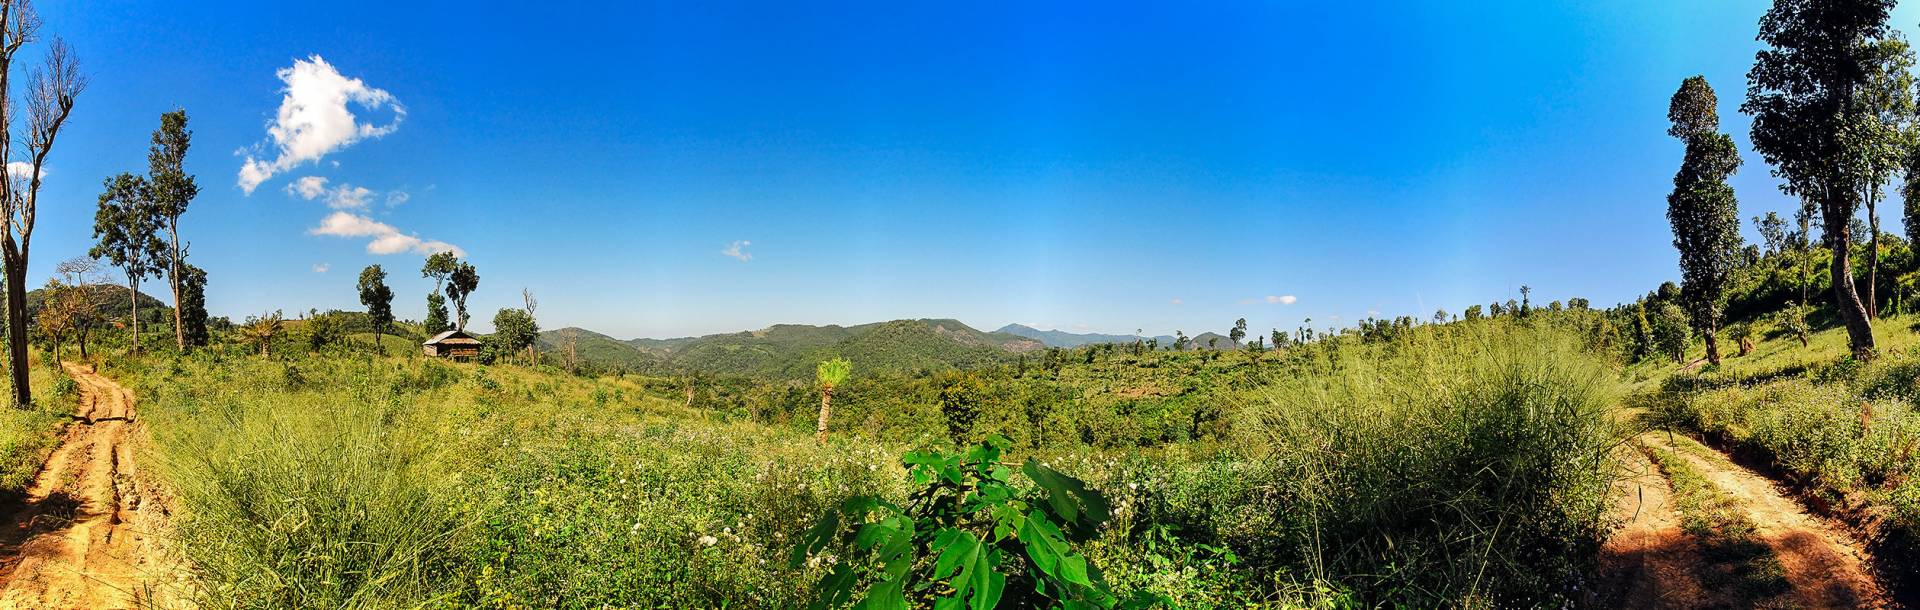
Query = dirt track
x=83 y=537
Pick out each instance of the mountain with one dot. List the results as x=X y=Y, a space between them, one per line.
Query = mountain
x=1202 y=341
x=1061 y=338
x=790 y=351
x=113 y=301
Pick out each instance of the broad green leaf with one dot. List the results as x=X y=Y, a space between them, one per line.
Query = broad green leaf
x=816 y=538
x=885 y=595
x=1082 y=509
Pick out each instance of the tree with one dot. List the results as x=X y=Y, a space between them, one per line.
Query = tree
x=1704 y=213
x=1886 y=99
x=514 y=330
x=830 y=373
x=1526 y=306
x=193 y=304
x=1279 y=339
x=1440 y=316
x=324 y=330
x=526 y=296
x=439 y=267
x=1239 y=331
x=49 y=100
x=1179 y=341
x=260 y=330
x=460 y=285
x=1672 y=332
x=172 y=189
x=1773 y=232
x=378 y=299
x=1801 y=94
x=82 y=297
x=1473 y=312
x=127 y=229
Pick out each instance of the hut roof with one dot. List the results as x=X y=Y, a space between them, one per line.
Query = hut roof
x=452 y=337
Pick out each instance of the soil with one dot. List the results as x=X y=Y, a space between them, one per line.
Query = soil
x=86 y=533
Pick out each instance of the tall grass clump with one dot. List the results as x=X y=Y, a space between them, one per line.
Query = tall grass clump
x=1465 y=466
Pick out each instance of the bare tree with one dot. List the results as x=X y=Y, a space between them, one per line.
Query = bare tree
x=49 y=99
x=533 y=357
x=81 y=297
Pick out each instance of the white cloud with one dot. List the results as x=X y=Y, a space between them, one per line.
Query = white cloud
x=308 y=187
x=344 y=196
x=397 y=197
x=1176 y=301
x=314 y=119
x=1285 y=299
x=321 y=268
x=738 y=250
x=22 y=170
x=386 y=238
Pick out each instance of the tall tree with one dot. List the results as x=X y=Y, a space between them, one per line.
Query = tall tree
x=378 y=299
x=1885 y=135
x=439 y=266
x=1239 y=331
x=126 y=226
x=173 y=189
x=49 y=100
x=1801 y=94
x=1702 y=208
x=1773 y=232
x=830 y=373
x=84 y=299
x=532 y=305
x=460 y=285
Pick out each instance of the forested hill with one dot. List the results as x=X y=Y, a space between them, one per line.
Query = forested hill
x=1061 y=338
x=790 y=351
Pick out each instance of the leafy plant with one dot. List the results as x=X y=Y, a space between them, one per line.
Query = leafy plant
x=964 y=537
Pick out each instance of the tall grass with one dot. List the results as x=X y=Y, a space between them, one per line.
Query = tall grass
x=1467 y=465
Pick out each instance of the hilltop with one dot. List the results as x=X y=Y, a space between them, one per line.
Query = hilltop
x=789 y=351
x=1061 y=338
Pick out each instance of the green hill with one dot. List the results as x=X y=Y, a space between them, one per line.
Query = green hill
x=792 y=350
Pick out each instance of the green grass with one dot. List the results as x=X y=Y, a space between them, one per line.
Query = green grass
x=28 y=436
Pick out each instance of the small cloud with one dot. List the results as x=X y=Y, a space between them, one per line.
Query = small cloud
x=315 y=119
x=1176 y=301
x=1373 y=313
x=397 y=197
x=342 y=197
x=739 y=251
x=22 y=170
x=386 y=238
x=321 y=268
x=1285 y=299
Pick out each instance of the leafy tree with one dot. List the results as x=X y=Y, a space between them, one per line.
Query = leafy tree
x=1440 y=316
x=514 y=330
x=960 y=398
x=968 y=538
x=439 y=267
x=1702 y=208
x=1886 y=136
x=830 y=373
x=260 y=330
x=532 y=306
x=1671 y=330
x=126 y=226
x=83 y=299
x=1742 y=334
x=193 y=304
x=378 y=299
x=1643 y=343
x=1239 y=331
x=460 y=285
x=1526 y=306
x=1472 y=313
x=1773 y=232
x=173 y=188
x=1793 y=320
x=325 y=330
x=1279 y=339
x=1179 y=341
x=1579 y=303
x=1807 y=122
x=48 y=99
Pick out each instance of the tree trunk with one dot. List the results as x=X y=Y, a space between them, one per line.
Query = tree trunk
x=16 y=272
x=133 y=294
x=173 y=277
x=1873 y=254
x=1713 y=344
x=826 y=403
x=1852 y=312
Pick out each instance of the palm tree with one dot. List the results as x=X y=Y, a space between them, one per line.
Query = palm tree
x=830 y=373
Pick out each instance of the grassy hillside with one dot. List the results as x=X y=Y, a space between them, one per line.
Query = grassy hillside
x=339 y=480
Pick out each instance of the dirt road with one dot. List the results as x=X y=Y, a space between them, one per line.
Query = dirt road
x=84 y=535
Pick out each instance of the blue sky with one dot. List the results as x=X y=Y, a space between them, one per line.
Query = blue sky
x=1089 y=166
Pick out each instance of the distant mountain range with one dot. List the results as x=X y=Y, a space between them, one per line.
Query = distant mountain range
x=1061 y=338
x=791 y=351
